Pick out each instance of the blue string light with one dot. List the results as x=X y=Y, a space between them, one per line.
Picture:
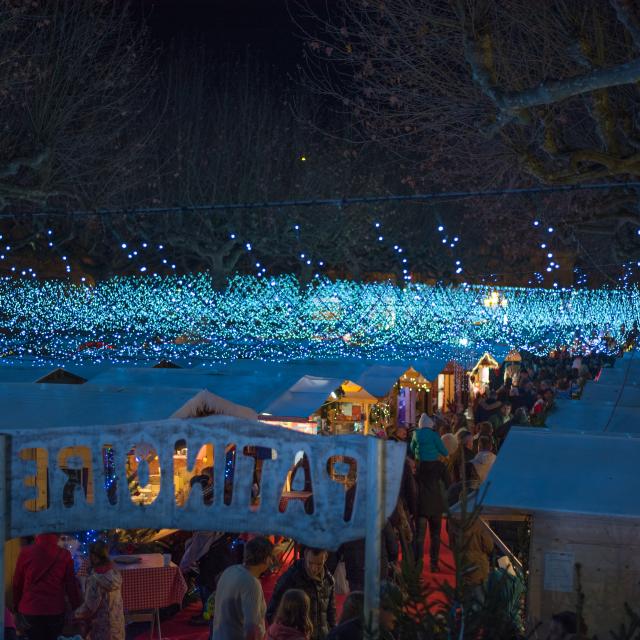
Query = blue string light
x=148 y=318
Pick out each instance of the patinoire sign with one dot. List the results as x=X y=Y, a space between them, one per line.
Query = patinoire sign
x=80 y=478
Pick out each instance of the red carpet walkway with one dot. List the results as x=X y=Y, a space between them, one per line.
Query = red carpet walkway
x=178 y=627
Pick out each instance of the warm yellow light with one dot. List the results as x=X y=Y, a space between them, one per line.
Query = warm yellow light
x=303 y=158
x=495 y=299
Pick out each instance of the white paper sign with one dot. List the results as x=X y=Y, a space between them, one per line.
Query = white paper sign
x=558 y=571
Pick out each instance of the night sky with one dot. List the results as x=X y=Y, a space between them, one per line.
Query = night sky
x=229 y=28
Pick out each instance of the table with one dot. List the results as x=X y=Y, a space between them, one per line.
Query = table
x=148 y=585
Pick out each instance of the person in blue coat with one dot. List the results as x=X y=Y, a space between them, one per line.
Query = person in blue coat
x=433 y=480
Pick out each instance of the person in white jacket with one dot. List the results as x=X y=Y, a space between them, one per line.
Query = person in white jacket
x=102 y=612
x=484 y=459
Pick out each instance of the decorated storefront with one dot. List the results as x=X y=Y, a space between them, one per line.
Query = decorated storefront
x=451 y=387
x=512 y=366
x=480 y=375
x=402 y=394
x=322 y=405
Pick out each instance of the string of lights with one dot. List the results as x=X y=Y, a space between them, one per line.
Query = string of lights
x=150 y=257
x=328 y=202
x=148 y=318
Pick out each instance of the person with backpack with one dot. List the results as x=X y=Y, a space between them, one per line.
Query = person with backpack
x=44 y=575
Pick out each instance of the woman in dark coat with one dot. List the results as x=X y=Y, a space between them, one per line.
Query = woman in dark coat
x=433 y=481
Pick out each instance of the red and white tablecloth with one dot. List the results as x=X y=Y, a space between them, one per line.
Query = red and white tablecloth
x=148 y=584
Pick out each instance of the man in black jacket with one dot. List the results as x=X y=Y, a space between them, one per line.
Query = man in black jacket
x=309 y=574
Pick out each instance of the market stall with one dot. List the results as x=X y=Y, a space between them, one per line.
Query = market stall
x=451 y=383
x=330 y=405
x=480 y=375
x=580 y=491
x=403 y=395
x=512 y=366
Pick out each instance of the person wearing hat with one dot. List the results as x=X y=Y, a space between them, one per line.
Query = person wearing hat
x=426 y=444
x=450 y=442
x=433 y=480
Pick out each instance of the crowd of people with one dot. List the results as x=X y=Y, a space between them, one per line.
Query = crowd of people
x=447 y=456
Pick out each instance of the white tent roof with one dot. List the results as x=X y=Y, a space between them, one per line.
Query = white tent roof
x=593 y=417
x=14 y=373
x=208 y=403
x=59 y=405
x=539 y=471
x=627 y=396
x=306 y=396
x=249 y=383
x=625 y=372
x=245 y=387
x=379 y=379
x=431 y=367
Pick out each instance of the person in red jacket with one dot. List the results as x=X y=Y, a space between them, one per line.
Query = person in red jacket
x=44 y=576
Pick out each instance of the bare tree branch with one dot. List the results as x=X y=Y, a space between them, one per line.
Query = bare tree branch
x=622 y=10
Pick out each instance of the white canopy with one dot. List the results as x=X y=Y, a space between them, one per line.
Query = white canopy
x=542 y=471
x=611 y=404
x=207 y=403
x=306 y=396
x=627 y=396
x=593 y=417
x=379 y=379
x=10 y=373
x=309 y=393
x=244 y=387
x=34 y=406
x=625 y=372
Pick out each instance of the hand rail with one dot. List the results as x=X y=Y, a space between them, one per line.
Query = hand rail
x=502 y=546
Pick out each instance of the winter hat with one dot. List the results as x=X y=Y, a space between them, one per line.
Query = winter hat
x=450 y=442
x=505 y=564
x=425 y=422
